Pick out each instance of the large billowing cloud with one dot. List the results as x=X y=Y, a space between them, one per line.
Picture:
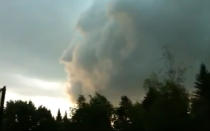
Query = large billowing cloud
x=120 y=43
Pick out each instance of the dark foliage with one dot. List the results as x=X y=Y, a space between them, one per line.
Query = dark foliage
x=95 y=115
x=201 y=101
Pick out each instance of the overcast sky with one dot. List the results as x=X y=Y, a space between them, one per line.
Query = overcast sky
x=33 y=36
x=54 y=50
x=120 y=43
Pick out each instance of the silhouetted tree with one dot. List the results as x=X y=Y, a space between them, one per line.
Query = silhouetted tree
x=166 y=106
x=123 y=115
x=59 y=117
x=152 y=84
x=80 y=116
x=44 y=119
x=201 y=100
x=81 y=101
x=138 y=117
x=150 y=98
x=20 y=116
x=202 y=83
x=95 y=115
x=65 y=118
x=66 y=124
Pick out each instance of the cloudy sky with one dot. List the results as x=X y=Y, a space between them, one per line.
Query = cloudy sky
x=51 y=51
x=33 y=36
x=122 y=42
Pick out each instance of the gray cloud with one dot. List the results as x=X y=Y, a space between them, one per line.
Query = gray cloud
x=33 y=35
x=120 y=43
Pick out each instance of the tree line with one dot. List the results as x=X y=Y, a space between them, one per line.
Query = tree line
x=167 y=106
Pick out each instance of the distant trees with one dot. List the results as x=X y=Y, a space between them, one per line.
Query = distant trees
x=167 y=106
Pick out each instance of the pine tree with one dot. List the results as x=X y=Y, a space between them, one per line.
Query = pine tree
x=59 y=117
x=202 y=83
x=65 y=118
x=201 y=101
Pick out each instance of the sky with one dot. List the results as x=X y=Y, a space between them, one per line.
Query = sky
x=52 y=51
x=120 y=43
x=33 y=36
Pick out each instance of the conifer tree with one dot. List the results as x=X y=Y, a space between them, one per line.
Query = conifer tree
x=59 y=117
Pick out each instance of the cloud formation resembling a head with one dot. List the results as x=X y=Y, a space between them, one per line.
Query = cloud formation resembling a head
x=119 y=43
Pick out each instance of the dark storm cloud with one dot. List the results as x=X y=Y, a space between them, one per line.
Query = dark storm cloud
x=120 y=43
